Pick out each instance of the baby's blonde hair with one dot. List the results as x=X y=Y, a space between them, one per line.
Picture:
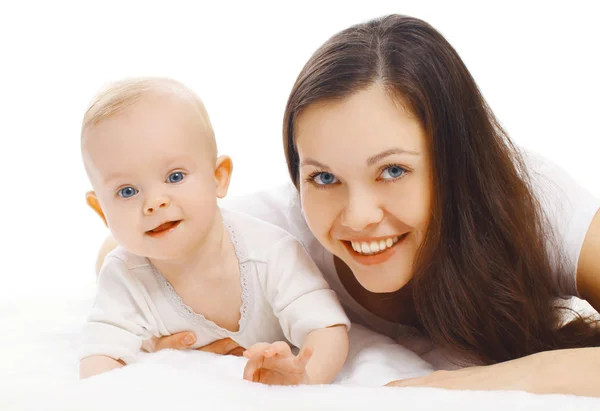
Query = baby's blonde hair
x=118 y=96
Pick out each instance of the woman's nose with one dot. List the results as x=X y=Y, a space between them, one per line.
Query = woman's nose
x=362 y=210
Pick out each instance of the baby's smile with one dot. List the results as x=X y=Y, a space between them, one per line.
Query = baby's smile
x=163 y=229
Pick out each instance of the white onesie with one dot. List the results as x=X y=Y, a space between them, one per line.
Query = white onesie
x=284 y=296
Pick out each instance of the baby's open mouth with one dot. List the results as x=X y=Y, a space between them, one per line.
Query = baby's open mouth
x=163 y=228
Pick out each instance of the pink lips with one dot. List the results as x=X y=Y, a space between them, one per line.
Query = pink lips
x=376 y=258
x=163 y=229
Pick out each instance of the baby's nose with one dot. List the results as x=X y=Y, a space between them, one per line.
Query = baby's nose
x=161 y=202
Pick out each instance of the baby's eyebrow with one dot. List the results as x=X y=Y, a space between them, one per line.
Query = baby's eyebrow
x=178 y=160
x=114 y=176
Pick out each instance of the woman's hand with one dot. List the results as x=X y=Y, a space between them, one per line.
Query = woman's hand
x=521 y=374
x=185 y=340
x=274 y=364
x=541 y=373
x=473 y=378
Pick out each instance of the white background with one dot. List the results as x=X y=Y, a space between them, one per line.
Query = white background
x=536 y=62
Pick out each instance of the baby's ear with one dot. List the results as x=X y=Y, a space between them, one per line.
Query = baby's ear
x=92 y=201
x=223 y=170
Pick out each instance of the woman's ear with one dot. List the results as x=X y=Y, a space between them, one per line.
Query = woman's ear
x=223 y=170
x=92 y=201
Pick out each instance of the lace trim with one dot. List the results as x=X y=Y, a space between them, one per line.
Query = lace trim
x=198 y=319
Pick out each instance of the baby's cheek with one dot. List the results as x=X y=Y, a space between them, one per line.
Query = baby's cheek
x=124 y=227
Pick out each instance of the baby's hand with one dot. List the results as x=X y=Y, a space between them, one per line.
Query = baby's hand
x=274 y=364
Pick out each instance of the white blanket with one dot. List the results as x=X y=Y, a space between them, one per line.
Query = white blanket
x=38 y=353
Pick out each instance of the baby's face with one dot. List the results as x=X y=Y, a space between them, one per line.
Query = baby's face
x=152 y=168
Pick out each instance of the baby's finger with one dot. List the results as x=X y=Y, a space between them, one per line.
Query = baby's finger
x=278 y=348
x=179 y=341
x=252 y=366
x=256 y=349
x=304 y=356
x=237 y=351
x=224 y=346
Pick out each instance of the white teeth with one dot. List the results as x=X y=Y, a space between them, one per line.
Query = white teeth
x=364 y=247
x=374 y=247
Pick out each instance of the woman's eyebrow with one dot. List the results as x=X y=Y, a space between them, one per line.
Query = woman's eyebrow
x=378 y=157
x=311 y=162
x=370 y=161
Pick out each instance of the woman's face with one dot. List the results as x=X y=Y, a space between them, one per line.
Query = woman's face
x=365 y=184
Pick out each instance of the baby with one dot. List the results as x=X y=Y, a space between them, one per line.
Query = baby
x=183 y=263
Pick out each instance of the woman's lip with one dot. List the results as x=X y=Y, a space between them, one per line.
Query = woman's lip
x=375 y=258
x=369 y=239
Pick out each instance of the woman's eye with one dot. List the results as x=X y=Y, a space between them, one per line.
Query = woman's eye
x=175 y=177
x=324 y=179
x=127 y=192
x=392 y=172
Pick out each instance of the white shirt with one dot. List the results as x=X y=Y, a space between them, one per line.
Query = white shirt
x=284 y=296
x=569 y=209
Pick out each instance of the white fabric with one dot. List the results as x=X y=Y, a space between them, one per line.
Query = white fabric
x=569 y=208
x=39 y=372
x=284 y=297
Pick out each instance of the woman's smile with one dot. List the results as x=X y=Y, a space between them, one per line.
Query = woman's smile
x=373 y=251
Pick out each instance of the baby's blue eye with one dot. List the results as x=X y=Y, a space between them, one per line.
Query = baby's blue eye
x=392 y=172
x=175 y=177
x=127 y=192
x=324 y=179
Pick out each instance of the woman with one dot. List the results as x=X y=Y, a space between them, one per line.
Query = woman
x=423 y=216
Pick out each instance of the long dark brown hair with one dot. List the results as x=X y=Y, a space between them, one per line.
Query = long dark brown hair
x=484 y=282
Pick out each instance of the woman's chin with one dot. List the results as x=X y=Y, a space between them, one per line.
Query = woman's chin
x=381 y=284
x=385 y=277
